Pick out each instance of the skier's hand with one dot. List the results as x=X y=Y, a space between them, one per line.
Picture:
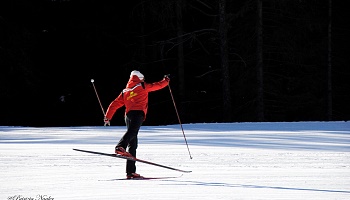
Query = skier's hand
x=167 y=77
x=106 y=121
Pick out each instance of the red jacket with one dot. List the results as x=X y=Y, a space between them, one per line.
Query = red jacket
x=134 y=96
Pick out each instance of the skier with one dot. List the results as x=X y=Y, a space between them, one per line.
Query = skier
x=135 y=99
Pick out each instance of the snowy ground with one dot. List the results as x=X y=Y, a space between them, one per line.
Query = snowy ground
x=305 y=160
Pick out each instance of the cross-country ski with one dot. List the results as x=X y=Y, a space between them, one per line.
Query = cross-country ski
x=131 y=158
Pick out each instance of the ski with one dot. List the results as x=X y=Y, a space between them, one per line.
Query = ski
x=144 y=178
x=131 y=158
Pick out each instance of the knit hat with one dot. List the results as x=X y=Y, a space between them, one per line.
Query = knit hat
x=137 y=73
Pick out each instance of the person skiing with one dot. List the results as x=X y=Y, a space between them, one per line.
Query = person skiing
x=135 y=99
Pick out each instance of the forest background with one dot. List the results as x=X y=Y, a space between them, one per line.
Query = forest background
x=229 y=61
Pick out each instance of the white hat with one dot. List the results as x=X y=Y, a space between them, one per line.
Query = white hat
x=137 y=73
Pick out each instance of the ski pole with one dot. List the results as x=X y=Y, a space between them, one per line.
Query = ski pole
x=92 y=81
x=178 y=117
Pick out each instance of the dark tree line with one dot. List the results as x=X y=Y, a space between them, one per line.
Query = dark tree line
x=229 y=61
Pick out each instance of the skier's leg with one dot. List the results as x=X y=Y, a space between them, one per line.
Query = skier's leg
x=133 y=121
x=130 y=165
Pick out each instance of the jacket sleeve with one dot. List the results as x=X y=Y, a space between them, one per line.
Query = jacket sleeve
x=150 y=87
x=114 y=106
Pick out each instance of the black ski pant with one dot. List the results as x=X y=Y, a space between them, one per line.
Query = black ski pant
x=129 y=141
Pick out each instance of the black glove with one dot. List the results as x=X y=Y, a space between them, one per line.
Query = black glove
x=106 y=121
x=167 y=77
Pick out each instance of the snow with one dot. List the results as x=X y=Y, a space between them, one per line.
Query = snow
x=295 y=160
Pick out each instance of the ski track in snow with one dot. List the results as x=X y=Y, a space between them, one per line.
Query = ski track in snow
x=295 y=160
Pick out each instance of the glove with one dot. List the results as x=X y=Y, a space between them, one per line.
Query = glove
x=106 y=121
x=167 y=77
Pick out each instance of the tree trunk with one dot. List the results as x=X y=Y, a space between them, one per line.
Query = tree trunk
x=329 y=71
x=180 y=49
x=226 y=94
x=143 y=42
x=260 y=76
